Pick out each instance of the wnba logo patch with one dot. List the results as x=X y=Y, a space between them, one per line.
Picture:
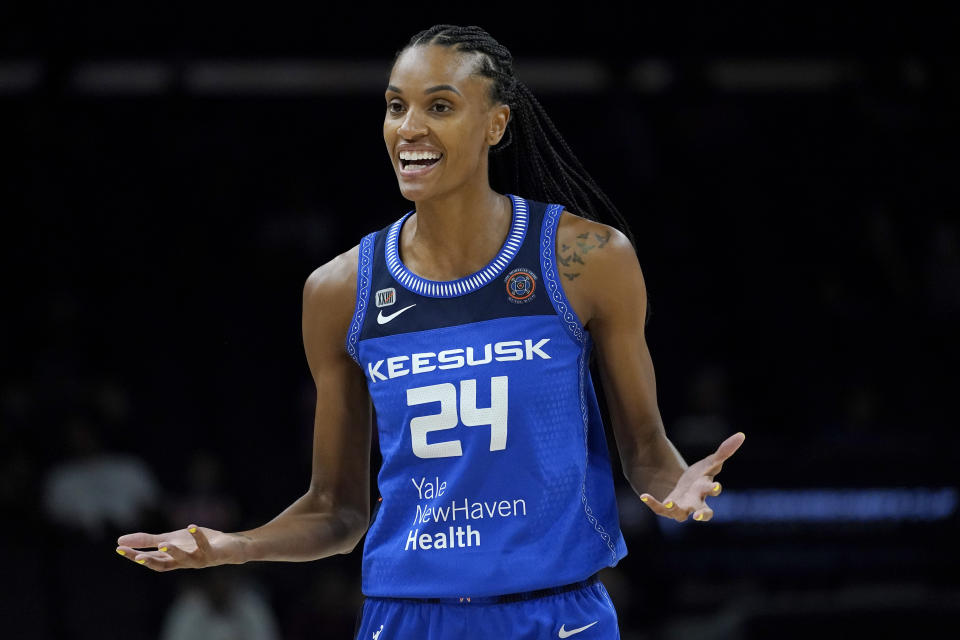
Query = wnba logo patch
x=521 y=284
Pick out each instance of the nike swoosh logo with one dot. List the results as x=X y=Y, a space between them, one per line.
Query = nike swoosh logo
x=382 y=319
x=563 y=633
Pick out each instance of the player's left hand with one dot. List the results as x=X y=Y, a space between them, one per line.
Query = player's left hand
x=193 y=547
x=696 y=483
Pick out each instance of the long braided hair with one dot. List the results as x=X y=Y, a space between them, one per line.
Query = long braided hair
x=532 y=159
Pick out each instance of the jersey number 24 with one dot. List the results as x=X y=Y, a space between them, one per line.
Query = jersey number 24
x=453 y=413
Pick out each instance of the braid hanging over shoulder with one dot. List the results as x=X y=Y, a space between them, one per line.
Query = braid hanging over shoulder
x=532 y=159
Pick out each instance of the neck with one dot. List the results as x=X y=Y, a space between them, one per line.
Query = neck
x=455 y=234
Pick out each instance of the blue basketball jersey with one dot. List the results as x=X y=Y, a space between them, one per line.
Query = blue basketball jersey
x=495 y=476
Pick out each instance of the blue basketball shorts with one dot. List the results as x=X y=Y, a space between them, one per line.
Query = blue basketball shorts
x=582 y=611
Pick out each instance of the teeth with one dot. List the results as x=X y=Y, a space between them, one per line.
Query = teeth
x=419 y=155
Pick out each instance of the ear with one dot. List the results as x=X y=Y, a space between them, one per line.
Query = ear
x=499 y=117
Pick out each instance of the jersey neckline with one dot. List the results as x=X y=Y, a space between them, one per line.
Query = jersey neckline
x=452 y=288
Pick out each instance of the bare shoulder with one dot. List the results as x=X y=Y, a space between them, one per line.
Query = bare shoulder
x=585 y=245
x=595 y=262
x=329 y=300
x=333 y=278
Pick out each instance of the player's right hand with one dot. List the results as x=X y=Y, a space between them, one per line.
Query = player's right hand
x=190 y=548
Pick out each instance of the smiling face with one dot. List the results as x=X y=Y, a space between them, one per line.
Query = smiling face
x=440 y=121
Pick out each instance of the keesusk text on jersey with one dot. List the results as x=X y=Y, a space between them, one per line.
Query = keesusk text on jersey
x=424 y=362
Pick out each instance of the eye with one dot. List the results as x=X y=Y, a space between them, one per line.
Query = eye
x=395 y=107
x=441 y=107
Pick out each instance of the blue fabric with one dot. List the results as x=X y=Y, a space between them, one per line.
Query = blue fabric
x=536 y=619
x=495 y=476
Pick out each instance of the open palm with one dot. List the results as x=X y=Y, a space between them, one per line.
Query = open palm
x=192 y=547
x=690 y=494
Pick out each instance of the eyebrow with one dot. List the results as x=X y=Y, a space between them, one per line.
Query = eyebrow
x=439 y=87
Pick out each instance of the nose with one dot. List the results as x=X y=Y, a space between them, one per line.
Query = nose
x=412 y=126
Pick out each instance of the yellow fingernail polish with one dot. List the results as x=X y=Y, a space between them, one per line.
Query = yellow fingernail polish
x=698 y=516
x=192 y=529
x=716 y=487
x=163 y=548
x=669 y=505
x=643 y=499
x=140 y=561
x=121 y=552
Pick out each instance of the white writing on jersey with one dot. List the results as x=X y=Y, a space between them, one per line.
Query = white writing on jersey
x=508 y=351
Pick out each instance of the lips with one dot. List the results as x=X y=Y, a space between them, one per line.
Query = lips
x=417 y=159
x=418 y=166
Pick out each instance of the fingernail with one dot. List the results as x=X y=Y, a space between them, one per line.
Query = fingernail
x=698 y=516
x=140 y=561
x=716 y=487
x=669 y=505
x=643 y=499
x=121 y=552
x=741 y=433
x=192 y=529
x=163 y=548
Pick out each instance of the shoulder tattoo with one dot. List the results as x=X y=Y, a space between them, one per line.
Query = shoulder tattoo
x=571 y=258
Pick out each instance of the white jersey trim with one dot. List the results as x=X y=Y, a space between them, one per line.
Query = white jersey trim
x=453 y=288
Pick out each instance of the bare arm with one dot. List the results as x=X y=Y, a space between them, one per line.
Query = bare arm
x=332 y=516
x=603 y=280
x=602 y=277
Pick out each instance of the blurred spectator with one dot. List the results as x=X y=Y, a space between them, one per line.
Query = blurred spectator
x=332 y=604
x=95 y=490
x=90 y=494
x=219 y=607
x=205 y=501
x=704 y=422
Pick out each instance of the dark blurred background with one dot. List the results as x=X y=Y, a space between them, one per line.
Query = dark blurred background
x=174 y=172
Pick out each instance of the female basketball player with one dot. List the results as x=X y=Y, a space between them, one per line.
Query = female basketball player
x=472 y=320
